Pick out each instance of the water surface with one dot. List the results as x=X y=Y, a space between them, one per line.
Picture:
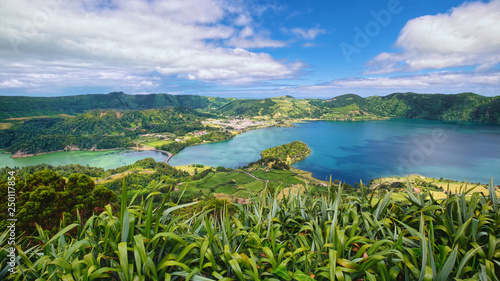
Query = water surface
x=348 y=151
x=105 y=159
x=351 y=151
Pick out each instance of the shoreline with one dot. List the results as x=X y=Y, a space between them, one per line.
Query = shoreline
x=237 y=132
x=25 y=155
x=412 y=176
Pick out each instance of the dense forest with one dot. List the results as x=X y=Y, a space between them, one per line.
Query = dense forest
x=280 y=157
x=46 y=199
x=464 y=106
x=17 y=106
x=97 y=129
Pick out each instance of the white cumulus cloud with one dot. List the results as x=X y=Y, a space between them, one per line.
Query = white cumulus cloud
x=468 y=35
x=308 y=34
x=85 y=43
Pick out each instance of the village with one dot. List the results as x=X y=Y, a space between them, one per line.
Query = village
x=237 y=123
x=170 y=136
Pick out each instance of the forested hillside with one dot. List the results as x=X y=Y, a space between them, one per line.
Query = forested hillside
x=97 y=129
x=128 y=115
x=464 y=107
x=38 y=106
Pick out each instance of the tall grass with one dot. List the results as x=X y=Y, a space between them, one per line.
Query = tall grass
x=333 y=236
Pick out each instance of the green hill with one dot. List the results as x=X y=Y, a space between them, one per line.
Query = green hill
x=97 y=129
x=288 y=153
x=279 y=107
x=463 y=107
x=37 y=106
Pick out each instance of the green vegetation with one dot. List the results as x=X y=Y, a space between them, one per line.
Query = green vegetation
x=173 y=225
x=439 y=188
x=36 y=106
x=47 y=199
x=121 y=118
x=64 y=171
x=304 y=236
x=288 y=153
x=236 y=185
x=463 y=107
x=97 y=129
x=175 y=147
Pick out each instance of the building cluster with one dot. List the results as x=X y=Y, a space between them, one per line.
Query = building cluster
x=161 y=136
x=236 y=123
x=200 y=133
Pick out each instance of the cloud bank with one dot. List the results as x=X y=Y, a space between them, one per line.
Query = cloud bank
x=133 y=43
x=468 y=35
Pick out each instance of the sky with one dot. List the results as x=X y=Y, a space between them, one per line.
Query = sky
x=249 y=49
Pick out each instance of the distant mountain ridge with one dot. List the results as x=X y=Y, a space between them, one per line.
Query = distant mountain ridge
x=20 y=106
x=463 y=106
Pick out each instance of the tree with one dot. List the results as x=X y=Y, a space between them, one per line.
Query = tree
x=47 y=199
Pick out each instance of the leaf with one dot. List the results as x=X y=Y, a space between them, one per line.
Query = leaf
x=493 y=195
x=431 y=208
x=62 y=263
x=464 y=261
x=62 y=232
x=461 y=230
x=448 y=266
x=123 y=257
x=381 y=207
x=282 y=272
x=301 y=276
x=125 y=226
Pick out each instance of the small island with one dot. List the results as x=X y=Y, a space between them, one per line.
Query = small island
x=288 y=153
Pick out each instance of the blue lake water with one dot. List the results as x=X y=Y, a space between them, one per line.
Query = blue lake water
x=351 y=151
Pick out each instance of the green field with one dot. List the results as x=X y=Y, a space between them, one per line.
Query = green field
x=443 y=185
x=230 y=185
x=157 y=143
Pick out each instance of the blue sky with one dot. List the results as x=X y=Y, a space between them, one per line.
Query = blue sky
x=245 y=49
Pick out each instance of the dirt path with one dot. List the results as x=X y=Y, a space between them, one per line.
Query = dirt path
x=252 y=176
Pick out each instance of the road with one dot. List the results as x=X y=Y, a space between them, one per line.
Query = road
x=169 y=155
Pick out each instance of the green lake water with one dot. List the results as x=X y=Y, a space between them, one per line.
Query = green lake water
x=105 y=159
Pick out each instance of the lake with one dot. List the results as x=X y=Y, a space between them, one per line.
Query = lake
x=105 y=159
x=348 y=151
x=351 y=151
